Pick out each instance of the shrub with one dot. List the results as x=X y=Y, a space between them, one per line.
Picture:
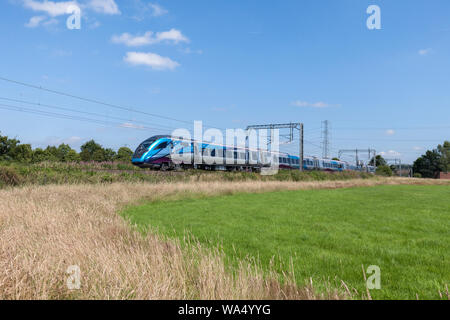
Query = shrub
x=384 y=171
x=417 y=175
x=9 y=177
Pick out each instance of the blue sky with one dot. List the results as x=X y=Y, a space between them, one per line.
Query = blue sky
x=230 y=64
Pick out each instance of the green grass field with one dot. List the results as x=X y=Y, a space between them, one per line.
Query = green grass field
x=328 y=234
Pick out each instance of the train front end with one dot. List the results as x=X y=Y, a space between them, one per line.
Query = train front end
x=153 y=153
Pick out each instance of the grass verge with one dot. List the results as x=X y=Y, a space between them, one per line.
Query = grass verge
x=324 y=234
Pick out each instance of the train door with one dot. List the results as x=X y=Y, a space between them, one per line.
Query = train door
x=197 y=156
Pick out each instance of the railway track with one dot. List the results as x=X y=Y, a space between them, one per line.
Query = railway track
x=147 y=172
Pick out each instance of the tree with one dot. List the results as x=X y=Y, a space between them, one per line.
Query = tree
x=379 y=161
x=52 y=153
x=72 y=156
x=384 y=171
x=110 y=154
x=62 y=151
x=89 y=149
x=99 y=155
x=40 y=155
x=433 y=161
x=6 y=146
x=22 y=153
x=444 y=150
x=124 y=154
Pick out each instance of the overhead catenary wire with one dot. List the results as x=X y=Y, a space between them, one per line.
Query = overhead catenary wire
x=159 y=126
x=70 y=117
x=95 y=101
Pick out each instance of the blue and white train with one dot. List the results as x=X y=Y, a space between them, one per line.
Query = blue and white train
x=164 y=153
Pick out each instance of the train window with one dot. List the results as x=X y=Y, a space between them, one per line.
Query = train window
x=161 y=146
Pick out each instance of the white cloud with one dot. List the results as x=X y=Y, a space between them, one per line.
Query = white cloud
x=56 y=141
x=390 y=132
x=72 y=140
x=144 y=10
x=151 y=60
x=104 y=6
x=171 y=35
x=133 y=41
x=424 y=52
x=157 y=10
x=417 y=148
x=149 y=38
x=35 y=21
x=130 y=125
x=390 y=153
x=95 y=25
x=53 y=9
x=305 y=104
x=50 y=22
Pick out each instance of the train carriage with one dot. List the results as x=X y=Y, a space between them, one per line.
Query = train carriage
x=166 y=152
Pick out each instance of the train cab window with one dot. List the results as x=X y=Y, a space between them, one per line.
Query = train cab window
x=161 y=146
x=213 y=153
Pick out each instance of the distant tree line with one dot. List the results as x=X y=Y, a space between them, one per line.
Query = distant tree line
x=429 y=165
x=13 y=150
x=433 y=162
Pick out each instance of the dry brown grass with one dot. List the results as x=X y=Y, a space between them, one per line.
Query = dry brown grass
x=43 y=230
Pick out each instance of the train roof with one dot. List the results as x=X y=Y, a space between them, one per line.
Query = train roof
x=154 y=138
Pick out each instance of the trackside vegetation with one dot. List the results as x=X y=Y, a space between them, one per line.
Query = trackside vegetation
x=45 y=173
x=326 y=235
